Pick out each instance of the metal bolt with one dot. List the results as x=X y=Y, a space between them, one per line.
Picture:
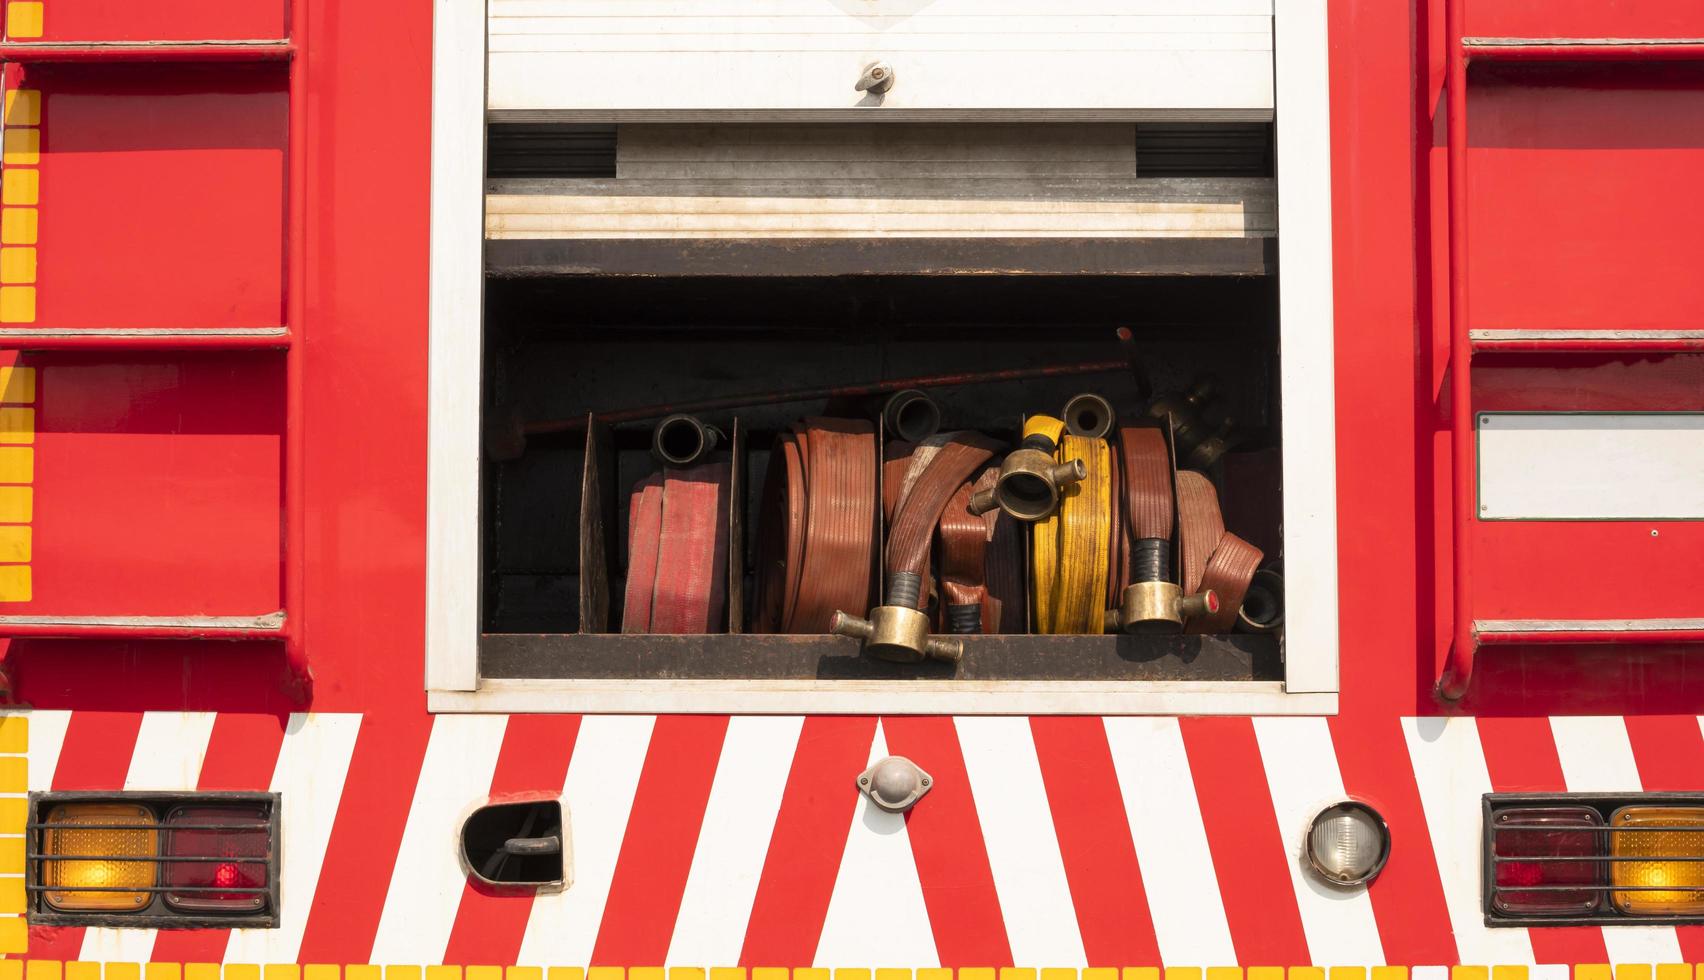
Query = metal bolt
x=1653 y=532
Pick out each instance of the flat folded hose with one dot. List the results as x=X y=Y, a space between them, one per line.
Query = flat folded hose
x=817 y=531
x=1213 y=558
x=1149 y=508
x=1005 y=608
x=677 y=546
x=964 y=568
x=1072 y=548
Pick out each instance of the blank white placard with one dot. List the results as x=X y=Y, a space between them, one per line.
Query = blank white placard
x=1574 y=466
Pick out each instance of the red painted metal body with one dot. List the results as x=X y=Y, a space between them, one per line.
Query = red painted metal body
x=231 y=337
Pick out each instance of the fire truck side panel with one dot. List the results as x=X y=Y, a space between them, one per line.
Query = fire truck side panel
x=706 y=841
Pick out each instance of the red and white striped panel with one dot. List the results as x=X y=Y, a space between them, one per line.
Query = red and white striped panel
x=709 y=840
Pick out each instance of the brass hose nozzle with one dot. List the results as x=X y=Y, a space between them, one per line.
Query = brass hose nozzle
x=896 y=629
x=897 y=633
x=1158 y=607
x=1030 y=481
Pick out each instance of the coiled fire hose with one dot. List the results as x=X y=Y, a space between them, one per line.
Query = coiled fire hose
x=678 y=551
x=1213 y=558
x=1072 y=548
x=817 y=530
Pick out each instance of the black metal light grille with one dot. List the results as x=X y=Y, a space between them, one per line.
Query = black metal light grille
x=549 y=150
x=1578 y=858
x=1203 y=149
x=164 y=896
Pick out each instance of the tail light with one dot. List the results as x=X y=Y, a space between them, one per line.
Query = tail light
x=216 y=858
x=160 y=860
x=99 y=857
x=1544 y=860
x=1657 y=866
x=1600 y=859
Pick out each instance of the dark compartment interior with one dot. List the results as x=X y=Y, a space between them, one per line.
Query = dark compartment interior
x=558 y=348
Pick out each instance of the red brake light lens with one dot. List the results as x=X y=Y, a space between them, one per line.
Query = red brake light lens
x=226 y=848
x=1525 y=882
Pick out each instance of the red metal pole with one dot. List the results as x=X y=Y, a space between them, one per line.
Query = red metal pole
x=42 y=52
x=1613 y=49
x=1608 y=344
x=139 y=631
x=157 y=340
x=295 y=309
x=1591 y=637
x=1458 y=668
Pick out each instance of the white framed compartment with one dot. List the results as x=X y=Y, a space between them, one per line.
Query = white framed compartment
x=1301 y=93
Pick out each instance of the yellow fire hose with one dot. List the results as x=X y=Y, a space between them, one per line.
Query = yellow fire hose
x=1072 y=547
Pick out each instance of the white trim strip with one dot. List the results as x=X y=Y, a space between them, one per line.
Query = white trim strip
x=455 y=306
x=1023 y=846
x=170 y=747
x=427 y=883
x=739 y=817
x=889 y=114
x=1171 y=841
x=1449 y=768
x=876 y=913
x=1303 y=776
x=1306 y=328
x=313 y=763
x=1597 y=757
x=47 y=737
x=898 y=697
x=597 y=797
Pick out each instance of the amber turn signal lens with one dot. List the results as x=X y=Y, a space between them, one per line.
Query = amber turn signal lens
x=1657 y=871
x=100 y=836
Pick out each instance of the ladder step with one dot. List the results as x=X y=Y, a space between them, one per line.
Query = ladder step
x=1509 y=632
x=1586 y=341
x=42 y=52
x=267 y=627
x=117 y=339
x=1582 y=48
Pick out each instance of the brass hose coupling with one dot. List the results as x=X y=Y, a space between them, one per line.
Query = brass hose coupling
x=1089 y=415
x=898 y=630
x=1158 y=607
x=1263 y=605
x=683 y=440
x=1029 y=482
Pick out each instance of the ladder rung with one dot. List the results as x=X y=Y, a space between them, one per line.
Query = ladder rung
x=143 y=338
x=268 y=627
x=1582 y=48
x=26 y=52
x=1509 y=632
x=1587 y=341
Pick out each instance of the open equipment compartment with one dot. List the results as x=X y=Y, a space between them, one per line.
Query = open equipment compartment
x=593 y=234
x=560 y=347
